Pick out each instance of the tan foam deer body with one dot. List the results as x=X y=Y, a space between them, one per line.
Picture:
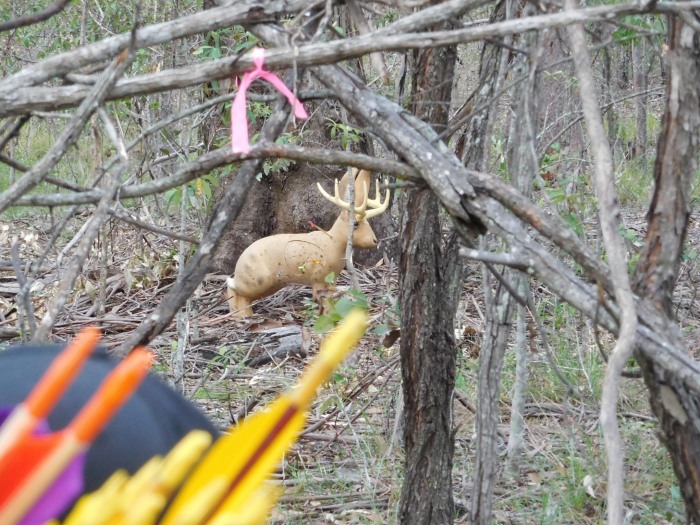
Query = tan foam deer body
x=271 y=263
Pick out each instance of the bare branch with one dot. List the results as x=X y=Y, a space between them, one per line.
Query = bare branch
x=506 y=259
x=35 y=18
x=151 y=227
x=221 y=157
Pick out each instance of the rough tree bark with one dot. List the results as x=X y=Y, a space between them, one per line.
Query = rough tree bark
x=429 y=284
x=676 y=406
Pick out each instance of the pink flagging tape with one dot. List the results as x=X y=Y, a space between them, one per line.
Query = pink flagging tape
x=240 y=142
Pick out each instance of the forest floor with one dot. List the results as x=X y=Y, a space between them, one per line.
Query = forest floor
x=347 y=466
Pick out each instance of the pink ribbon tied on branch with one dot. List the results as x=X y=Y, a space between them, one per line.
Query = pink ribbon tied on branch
x=239 y=122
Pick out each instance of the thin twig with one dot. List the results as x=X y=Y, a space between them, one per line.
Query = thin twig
x=506 y=259
x=609 y=219
x=152 y=227
x=35 y=18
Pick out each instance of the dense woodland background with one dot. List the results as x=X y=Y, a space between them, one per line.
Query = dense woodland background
x=534 y=298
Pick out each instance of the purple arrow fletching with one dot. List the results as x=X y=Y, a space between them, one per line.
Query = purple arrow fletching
x=64 y=490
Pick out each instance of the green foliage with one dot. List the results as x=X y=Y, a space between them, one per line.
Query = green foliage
x=635 y=27
x=388 y=17
x=213 y=50
x=498 y=154
x=690 y=253
x=345 y=134
x=573 y=206
x=273 y=165
x=391 y=318
x=198 y=192
x=634 y=181
x=228 y=357
x=552 y=157
x=340 y=30
x=338 y=309
x=216 y=47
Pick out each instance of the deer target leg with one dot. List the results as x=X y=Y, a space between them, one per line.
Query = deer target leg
x=322 y=294
x=240 y=306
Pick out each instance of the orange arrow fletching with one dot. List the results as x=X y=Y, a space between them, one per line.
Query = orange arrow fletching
x=32 y=465
x=112 y=394
x=48 y=391
x=60 y=375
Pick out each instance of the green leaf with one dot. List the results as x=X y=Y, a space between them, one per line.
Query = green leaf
x=360 y=298
x=381 y=329
x=323 y=324
x=675 y=493
x=174 y=196
x=206 y=189
x=346 y=304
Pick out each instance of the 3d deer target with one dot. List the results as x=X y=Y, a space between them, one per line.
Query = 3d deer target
x=273 y=262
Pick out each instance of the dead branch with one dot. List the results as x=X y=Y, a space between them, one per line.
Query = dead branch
x=221 y=157
x=122 y=216
x=507 y=259
x=27 y=20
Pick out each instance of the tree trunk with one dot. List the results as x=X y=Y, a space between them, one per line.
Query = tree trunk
x=640 y=102
x=675 y=405
x=608 y=96
x=429 y=284
x=675 y=168
x=523 y=166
